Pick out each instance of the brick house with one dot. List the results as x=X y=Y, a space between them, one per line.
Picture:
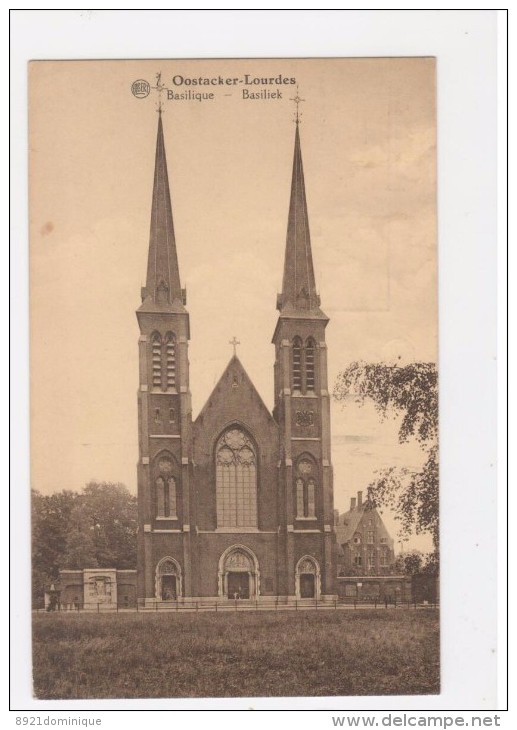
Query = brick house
x=364 y=544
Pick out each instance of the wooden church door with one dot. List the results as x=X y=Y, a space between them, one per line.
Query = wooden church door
x=238 y=585
x=169 y=592
x=307 y=585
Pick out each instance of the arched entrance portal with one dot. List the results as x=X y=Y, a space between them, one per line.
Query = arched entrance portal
x=308 y=579
x=238 y=574
x=168 y=580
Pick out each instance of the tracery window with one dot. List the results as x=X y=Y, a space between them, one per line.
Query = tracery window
x=236 y=479
x=305 y=482
x=166 y=492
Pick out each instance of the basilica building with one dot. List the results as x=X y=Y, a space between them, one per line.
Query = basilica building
x=237 y=504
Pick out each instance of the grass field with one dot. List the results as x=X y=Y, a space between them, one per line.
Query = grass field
x=236 y=655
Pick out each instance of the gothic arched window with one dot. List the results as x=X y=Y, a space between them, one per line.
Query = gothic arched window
x=311 y=498
x=170 y=498
x=170 y=350
x=156 y=348
x=300 y=497
x=165 y=485
x=297 y=364
x=305 y=482
x=160 y=497
x=236 y=479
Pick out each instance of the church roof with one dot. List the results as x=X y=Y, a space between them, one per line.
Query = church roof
x=299 y=296
x=349 y=522
x=235 y=389
x=162 y=291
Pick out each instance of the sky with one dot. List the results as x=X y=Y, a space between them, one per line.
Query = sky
x=368 y=135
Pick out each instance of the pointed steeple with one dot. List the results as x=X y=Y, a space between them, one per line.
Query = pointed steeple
x=299 y=286
x=163 y=290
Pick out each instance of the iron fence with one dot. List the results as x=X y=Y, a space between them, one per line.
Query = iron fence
x=239 y=605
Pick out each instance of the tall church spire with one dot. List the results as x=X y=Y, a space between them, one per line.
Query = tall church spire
x=163 y=290
x=299 y=286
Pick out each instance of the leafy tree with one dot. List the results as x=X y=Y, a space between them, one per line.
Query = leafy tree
x=50 y=520
x=81 y=550
x=109 y=514
x=409 y=391
x=409 y=563
x=94 y=528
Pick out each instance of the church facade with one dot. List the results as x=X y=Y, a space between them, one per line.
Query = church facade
x=237 y=504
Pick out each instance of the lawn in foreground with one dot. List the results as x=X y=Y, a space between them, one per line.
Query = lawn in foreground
x=235 y=655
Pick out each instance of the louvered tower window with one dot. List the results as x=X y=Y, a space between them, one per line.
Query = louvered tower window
x=297 y=364
x=157 y=360
x=309 y=365
x=170 y=347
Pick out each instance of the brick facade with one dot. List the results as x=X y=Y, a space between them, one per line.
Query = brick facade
x=364 y=545
x=240 y=501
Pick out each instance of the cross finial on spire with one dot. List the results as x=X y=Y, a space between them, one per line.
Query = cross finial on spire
x=297 y=100
x=298 y=286
x=234 y=342
x=159 y=86
x=163 y=287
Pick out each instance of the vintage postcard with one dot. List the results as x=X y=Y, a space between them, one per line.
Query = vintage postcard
x=234 y=413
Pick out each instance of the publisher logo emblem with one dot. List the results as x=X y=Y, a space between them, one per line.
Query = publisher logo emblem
x=140 y=88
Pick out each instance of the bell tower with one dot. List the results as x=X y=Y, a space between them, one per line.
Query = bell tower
x=164 y=407
x=302 y=405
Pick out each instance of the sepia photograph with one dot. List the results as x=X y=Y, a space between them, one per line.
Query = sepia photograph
x=234 y=378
